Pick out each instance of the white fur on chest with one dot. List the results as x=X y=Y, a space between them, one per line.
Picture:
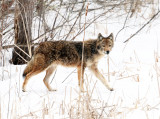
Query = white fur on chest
x=94 y=60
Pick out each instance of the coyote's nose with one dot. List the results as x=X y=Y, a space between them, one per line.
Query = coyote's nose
x=107 y=52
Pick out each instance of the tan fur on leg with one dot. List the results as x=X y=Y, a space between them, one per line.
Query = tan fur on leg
x=49 y=72
x=81 y=77
x=96 y=72
x=28 y=76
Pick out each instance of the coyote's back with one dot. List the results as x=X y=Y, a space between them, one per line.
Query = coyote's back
x=68 y=53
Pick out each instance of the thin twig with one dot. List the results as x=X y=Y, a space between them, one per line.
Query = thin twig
x=108 y=68
x=95 y=18
x=22 y=50
x=156 y=68
x=55 y=20
x=128 y=77
x=142 y=27
x=82 y=64
x=68 y=76
x=21 y=56
x=11 y=46
x=75 y=22
x=124 y=21
x=53 y=76
x=25 y=25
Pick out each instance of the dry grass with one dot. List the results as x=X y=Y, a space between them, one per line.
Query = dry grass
x=15 y=104
x=83 y=106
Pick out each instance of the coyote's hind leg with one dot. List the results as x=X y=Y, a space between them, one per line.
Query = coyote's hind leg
x=28 y=76
x=38 y=66
x=49 y=72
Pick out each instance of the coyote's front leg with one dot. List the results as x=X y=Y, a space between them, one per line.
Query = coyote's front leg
x=96 y=72
x=80 y=77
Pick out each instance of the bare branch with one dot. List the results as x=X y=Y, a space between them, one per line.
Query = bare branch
x=98 y=16
x=12 y=46
x=5 y=8
x=75 y=21
x=142 y=27
x=124 y=21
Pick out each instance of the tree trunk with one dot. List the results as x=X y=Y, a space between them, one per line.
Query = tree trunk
x=0 y=48
x=1 y=33
x=23 y=35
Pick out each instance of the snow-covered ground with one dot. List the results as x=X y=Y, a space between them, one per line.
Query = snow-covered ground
x=134 y=73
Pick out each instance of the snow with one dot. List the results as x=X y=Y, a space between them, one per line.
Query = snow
x=134 y=75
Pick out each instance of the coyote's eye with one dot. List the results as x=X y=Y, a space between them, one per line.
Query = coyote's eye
x=103 y=45
x=110 y=45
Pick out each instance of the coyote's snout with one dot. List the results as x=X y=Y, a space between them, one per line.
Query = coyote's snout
x=48 y=55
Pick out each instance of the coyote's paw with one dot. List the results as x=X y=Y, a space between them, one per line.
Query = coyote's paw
x=52 y=90
x=111 y=89
x=82 y=89
x=23 y=90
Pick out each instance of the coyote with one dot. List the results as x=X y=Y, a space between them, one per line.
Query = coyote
x=48 y=55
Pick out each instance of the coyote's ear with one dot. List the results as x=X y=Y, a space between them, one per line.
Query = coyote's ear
x=100 y=37
x=111 y=36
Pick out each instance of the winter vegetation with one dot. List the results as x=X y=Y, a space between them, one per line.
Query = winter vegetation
x=132 y=68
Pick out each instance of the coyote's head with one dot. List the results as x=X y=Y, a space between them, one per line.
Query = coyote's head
x=105 y=44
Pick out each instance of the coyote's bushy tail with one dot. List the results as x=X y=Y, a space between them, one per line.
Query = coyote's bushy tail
x=28 y=67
